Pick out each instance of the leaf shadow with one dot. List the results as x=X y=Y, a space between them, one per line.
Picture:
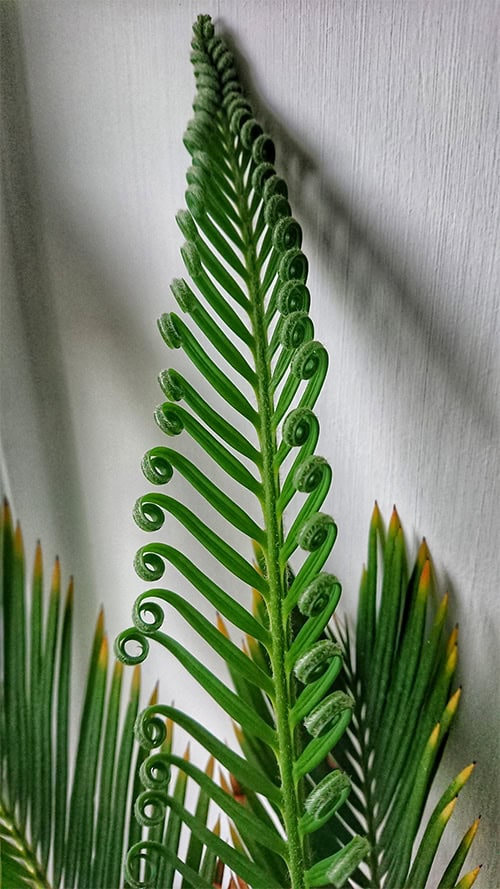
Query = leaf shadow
x=369 y=272
x=51 y=424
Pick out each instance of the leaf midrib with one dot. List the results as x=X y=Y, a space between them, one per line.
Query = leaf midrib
x=279 y=626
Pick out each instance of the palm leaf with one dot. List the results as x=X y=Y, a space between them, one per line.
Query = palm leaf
x=250 y=341
x=61 y=822
x=401 y=676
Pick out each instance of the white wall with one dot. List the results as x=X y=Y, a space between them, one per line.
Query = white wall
x=386 y=115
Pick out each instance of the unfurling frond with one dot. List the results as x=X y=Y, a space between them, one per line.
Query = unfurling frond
x=245 y=302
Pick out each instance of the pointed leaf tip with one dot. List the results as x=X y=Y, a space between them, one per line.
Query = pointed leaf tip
x=56 y=576
x=424 y=555
x=467 y=772
x=154 y=695
x=471 y=833
x=394 y=524
x=18 y=540
x=99 y=627
x=448 y=810
x=469 y=879
x=221 y=626
x=454 y=700
x=38 y=563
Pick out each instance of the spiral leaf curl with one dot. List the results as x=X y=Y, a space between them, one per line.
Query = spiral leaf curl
x=324 y=800
x=244 y=258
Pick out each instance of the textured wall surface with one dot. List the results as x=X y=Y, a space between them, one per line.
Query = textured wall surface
x=386 y=116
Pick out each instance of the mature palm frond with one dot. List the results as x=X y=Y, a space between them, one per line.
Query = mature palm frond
x=247 y=304
x=400 y=673
x=64 y=819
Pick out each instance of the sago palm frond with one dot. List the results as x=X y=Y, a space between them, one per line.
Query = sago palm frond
x=300 y=815
x=247 y=304
x=65 y=819
x=400 y=674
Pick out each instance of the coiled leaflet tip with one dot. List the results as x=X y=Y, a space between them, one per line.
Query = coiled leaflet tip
x=169 y=330
x=315 y=531
x=298 y=425
x=317 y=595
x=326 y=714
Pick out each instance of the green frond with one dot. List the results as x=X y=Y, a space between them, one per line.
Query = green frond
x=400 y=676
x=63 y=819
x=246 y=331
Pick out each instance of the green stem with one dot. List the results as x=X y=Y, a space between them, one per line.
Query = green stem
x=279 y=624
x=26 y=855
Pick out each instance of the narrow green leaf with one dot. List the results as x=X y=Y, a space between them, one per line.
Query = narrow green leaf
x=195 y=847
x=242 y=865
x=189 y=302
x=36 y=622
x=122 y=779
x=172 y=419
x=218 y=690
x=452 y=872
x=14 y=644
x=177 y=334
x=80 y=789
x=62 y=739
x=237 y=765
x=165 y=460
x=233 y=656
x=176 y=387
x=172 y=837
x=44 y=791
x=149 y=515
x=367 y=605
x=429 y=845
x=149 y=566
x=469 y=879
x=146 y=850
x=243 y=818
x=104 y=811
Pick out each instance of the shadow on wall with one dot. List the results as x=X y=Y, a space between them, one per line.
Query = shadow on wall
x=51 y=427
x=369 y=271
